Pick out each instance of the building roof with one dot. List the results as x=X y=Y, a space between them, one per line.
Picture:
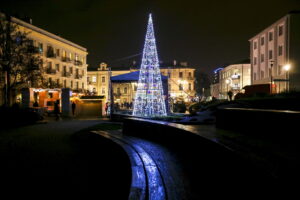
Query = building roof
x=293 y=12
x=44 y=32
x=130 y=77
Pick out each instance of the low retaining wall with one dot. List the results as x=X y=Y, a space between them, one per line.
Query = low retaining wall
x=259 y=121
x=206 y=162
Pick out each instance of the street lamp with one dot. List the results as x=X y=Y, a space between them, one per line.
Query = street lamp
x=287 y=68
x=227 y=83
x=271 y=75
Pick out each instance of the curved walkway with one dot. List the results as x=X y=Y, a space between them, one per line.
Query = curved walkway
x=155 y=172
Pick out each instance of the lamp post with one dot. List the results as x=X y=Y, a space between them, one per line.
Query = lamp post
x=287 y=68
x=271 y=76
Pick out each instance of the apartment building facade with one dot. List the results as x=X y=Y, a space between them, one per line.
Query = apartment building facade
x=274 y=54
x=233 y=78
x=181 y=83
x=64 y=64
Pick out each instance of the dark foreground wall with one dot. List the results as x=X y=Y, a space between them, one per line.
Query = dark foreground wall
x=269 y=123
x=208 y=166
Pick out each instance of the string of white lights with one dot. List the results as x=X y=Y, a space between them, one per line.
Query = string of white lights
x=149 y=100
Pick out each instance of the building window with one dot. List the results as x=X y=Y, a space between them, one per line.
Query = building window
x=280 y=50
x=40 y=47
x=255 y=45
x=65 y=83
x=280 y=68
x=262 y=41
x=94 y=79
x=57 y=67
x=77 y=85
x=103 y=79
x=71 y=84
x=103 y=90
x=118 y=91
x=280 y=30
x=180 y=87
x=64 y=54
x=190 y=86
x=49 y=65
x=190 y=74
x=82 y=85
x=270 y=36
x=254 y=75
x=57 y=82
x=262 y=74
x=270 y=54
x=125 y=90
x=262 y=58
x=254 y=61
x=57 y=52
x=180 y=75
x=169 y=74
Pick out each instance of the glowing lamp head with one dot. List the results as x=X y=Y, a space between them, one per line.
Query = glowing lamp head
x=287 y=67
x=227 y=81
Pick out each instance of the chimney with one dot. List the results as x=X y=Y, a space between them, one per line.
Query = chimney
x=174 y=62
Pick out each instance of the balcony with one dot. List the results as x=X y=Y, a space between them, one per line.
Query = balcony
x=66 y=74
x=77 y=63
x=235 y=76
x=65 y=59
x=51 y=71
x=78 y=76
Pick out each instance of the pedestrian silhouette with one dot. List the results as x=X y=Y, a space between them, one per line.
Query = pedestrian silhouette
x=230 y=93
x=106 y=108
x=56 y=109
x=73 y=108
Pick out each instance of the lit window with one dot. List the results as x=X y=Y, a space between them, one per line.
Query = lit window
x=94 y=79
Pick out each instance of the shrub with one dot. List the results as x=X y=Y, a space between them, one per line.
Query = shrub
x=179 y=107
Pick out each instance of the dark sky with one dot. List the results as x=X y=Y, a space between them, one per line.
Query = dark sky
x=206 y=34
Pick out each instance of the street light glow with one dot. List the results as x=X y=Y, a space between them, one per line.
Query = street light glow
x=287 y=67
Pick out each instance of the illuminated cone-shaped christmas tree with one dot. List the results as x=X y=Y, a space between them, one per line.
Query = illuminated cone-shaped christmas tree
x=149 y=100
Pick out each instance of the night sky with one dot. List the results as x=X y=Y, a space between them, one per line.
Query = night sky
x=206 y=34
